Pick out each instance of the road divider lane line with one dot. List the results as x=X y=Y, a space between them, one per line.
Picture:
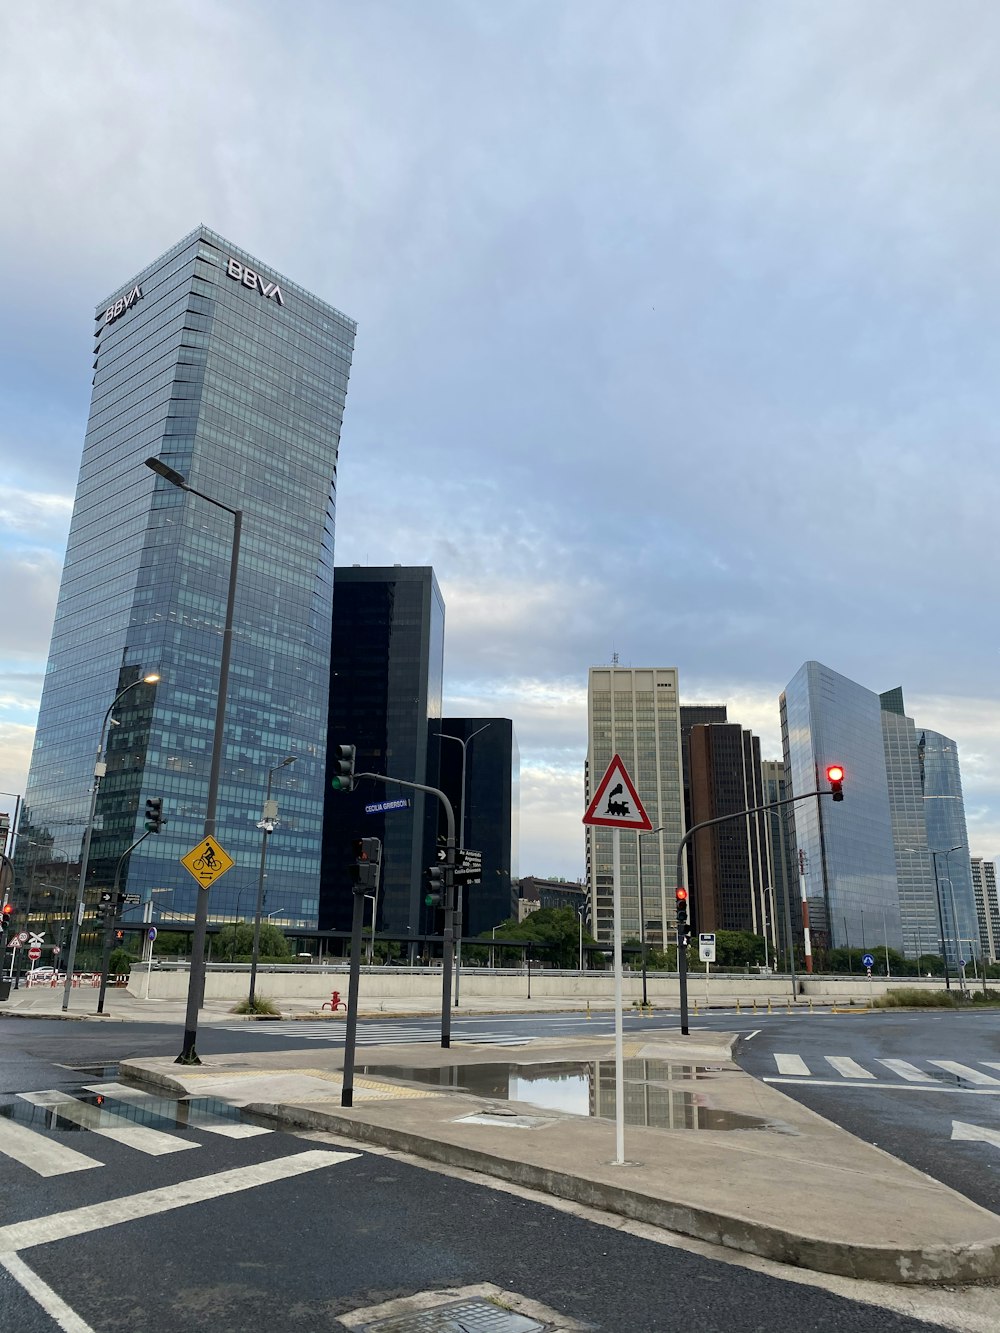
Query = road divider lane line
x=95 y=1217
x=849 y=1068
x=51 y=1302
x=38 y=1153
x=967 y=1073
x=792 y=1064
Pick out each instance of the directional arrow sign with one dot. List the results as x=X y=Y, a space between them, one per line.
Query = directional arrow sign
x=975 y=1133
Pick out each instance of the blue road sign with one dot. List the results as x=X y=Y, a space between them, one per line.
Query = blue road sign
x=868 y=960
x=377 y=807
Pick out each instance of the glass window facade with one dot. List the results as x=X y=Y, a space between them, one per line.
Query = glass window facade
x=944 y=810
x=240 y=386
x=914 y=870
x=850 y=857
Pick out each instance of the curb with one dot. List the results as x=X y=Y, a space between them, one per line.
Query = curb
x=961 y=1264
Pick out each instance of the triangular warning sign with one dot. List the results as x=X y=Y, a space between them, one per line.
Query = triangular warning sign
x=616 y=802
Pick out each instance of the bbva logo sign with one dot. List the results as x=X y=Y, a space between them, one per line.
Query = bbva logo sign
x=123 y=303
x=251 y=279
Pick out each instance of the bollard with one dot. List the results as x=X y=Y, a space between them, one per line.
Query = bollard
x=588 y=1009
x=769 y=1004
x=754 y=1002
x=696 y=1006
x=737 y=1004
x=810 y=1004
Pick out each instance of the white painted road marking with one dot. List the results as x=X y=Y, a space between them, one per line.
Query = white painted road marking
x=53 y=1304
x=95 y=1217
x=193 y=1117
x=857 y=1084
x=975 y=1133
x=153 y=1142
x=843 y=1064
x=905 y=1070
x=964 y=1071
x=791 y=1064
x=39 y=1154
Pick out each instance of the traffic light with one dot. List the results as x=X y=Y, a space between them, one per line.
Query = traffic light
x=154 y=814
x=7 y=915
x=434 y=897
x=119 y=935
x=835 y=777
x=367 y=855
x=343 y=768
x=682 y=909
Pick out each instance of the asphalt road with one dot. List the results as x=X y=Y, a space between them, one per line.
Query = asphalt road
x=923 y=1086
x=199 y=1230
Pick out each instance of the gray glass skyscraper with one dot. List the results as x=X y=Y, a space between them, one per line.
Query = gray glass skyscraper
x=944 y=809
x=849 y=850
x=237 y=378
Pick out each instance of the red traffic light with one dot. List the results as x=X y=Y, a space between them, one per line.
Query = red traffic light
x=834 y=773
x=8 y=909
x=682 y=895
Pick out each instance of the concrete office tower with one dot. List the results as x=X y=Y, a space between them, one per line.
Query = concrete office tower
x=782 y=857
x=984 y=886
x=729 y=881
x=918 y=905
x=235 y=377
x=387 y=661
x=944 y=811
x=848 y=846
x=634 y=712
x=492 y=805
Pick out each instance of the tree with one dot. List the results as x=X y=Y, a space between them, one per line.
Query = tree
x=235 y=942
x=738 y=949
x=555 y=929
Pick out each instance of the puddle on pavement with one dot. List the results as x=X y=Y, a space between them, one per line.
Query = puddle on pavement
x=653 y=1096
x=95 y=1071
x=83 y=1109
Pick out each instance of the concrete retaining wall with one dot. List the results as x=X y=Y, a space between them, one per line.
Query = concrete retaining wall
x=380 y=984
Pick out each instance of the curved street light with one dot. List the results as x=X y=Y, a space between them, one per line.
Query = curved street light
x=100 y=768
x=266 y=825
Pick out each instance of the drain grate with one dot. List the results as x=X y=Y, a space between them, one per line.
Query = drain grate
x=457 y=1317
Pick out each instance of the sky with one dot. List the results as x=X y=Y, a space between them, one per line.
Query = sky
x=677 y=329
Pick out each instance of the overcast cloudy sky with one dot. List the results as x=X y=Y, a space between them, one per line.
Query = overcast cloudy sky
x=678 y=328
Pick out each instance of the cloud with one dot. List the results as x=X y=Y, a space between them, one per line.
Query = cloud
x=36 y=514
x=15 y=755
x=30 y=579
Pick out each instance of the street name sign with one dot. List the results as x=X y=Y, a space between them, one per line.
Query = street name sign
x=379 y=807
x=207 y=861
x=616 y=802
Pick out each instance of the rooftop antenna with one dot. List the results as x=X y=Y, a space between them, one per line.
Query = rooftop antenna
x=614 y=659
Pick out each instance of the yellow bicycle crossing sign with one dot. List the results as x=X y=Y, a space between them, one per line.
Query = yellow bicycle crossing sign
x=207 y=861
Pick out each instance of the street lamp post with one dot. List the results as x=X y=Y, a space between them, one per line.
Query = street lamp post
x=464 y=743
x=196 y=980
x=267 y=822
x=100 y=768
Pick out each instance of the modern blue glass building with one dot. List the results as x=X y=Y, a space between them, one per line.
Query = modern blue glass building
x=236 y=377
x=849 y=850
x=944 y=809
x=918 y=903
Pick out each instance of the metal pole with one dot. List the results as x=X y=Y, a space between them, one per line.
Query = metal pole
x=944 y=950
x=196 y=982
x=619 y=1047
x=347 y=1087
x=100 y=767
x=885 y=936
x=267 y=825
x=642 y=915
x=112 y=918
x=447 y=736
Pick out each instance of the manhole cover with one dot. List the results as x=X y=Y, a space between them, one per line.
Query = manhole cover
x=458 y=1317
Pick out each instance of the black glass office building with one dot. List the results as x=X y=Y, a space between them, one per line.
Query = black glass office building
x=387 y=672
x=236 y=378
x=849 y=852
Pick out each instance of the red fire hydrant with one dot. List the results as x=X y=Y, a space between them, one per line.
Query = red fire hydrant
x=334 y=1002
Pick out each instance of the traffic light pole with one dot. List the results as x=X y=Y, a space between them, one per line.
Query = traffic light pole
x=696 y=828
x=448 y=940
x=112 y=918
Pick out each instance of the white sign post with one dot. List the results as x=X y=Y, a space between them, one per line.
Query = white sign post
x=706 y=952
x=616 y=805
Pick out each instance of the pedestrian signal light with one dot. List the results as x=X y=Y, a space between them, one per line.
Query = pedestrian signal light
x=343 y=768
x=835 y=777
x=119 y=935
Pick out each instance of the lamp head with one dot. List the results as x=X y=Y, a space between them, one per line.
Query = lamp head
x=151 y=677
x=168 y=473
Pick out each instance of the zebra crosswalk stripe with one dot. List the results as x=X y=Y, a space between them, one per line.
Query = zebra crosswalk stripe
x=847 y=1067
x=194 y=1117
x=40 y=1154
x=904 y=1069
x=792 y=1064
x=966 y=1072
x=153 y=1142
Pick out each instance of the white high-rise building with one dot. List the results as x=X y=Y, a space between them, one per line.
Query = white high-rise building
x=634 y=712
x=984 y=887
